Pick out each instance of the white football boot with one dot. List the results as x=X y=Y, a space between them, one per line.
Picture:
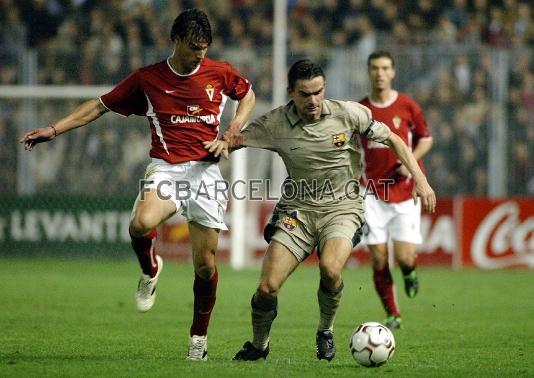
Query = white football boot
x=146 y=289
x=198 y=348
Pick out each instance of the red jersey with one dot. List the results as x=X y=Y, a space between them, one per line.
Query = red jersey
x=405 y=118
x=182 y=110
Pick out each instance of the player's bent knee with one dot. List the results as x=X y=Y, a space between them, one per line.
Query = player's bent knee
x=406 y=256
x=330 y=275
x=379 y=259
x=379 y=264
x=143 y=223
x=378 y=254
x=268 y=288
x=205 y=271
x=330 y=267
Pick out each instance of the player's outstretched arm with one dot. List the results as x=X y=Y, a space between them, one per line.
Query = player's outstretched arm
x=82 y=115
x=421 y=188
x=233 y=135
x=420 y=150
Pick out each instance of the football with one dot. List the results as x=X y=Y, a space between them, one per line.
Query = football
x=372 y=344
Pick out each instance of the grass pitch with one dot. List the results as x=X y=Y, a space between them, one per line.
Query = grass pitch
x=77 y=318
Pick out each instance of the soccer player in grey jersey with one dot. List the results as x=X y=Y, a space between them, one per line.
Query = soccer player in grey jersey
x=318 y=140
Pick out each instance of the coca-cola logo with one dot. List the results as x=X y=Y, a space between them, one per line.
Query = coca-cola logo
x=503 y=239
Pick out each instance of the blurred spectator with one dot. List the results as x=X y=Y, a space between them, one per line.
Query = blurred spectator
x=446 y=31
x=497 y=31
x=475 y=113
x=462 y=73
x=42 y=19
x=457 y=13
x=13 y=30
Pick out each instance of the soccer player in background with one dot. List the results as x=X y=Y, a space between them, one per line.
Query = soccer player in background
x=183 y=98
x=318 y=140
x=389 y=208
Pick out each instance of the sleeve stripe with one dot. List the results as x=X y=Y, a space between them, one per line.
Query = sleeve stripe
x=111 y=110
x=366 y=132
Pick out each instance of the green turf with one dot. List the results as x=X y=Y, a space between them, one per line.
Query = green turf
x=77 y=318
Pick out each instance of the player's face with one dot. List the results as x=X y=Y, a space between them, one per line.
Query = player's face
x=308 y=96
x=190 y=53
x=381 y=73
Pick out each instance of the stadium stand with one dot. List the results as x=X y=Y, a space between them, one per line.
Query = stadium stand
x=446 y=60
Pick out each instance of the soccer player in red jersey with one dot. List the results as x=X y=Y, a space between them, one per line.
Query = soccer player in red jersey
x=183 y=98
x=390 y=211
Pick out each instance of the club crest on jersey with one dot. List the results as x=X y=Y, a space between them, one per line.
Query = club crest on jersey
x=193 y=110
x=289 y=222
x=339 y=140
x=397 y=121
x=210 y=91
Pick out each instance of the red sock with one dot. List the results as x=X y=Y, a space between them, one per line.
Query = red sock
x=386 y=290
x=146 y=254
x=205 y=293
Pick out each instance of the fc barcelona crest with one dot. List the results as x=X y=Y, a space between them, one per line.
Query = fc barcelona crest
x=289 y=222
x=339 y=140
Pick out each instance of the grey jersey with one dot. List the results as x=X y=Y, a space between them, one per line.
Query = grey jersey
x=323 y=158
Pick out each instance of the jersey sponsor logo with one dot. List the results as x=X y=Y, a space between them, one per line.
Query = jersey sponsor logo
x=397 y=121
x=193 y=110
x=207 y=119
x=339 y=140
x=290 y=222
x=193 y=116
x=210 y=91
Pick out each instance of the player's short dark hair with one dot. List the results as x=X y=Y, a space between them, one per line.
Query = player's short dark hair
x=381 y=54
x=303 y=69
x=192 y=23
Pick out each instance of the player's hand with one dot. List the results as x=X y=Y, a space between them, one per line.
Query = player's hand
x=403 y=171
x=217 y=148
x=233 y=137
x=43 y=134
x=423 y=190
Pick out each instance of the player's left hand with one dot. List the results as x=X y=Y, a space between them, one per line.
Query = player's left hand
x=217 y=147
x=423 y=190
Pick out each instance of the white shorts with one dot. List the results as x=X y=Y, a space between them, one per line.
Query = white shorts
x=401 y=221
x=196 y=187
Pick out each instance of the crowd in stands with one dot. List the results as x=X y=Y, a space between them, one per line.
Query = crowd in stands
x=453 y=56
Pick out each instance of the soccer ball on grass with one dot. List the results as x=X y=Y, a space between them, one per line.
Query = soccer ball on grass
x=372 y=344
